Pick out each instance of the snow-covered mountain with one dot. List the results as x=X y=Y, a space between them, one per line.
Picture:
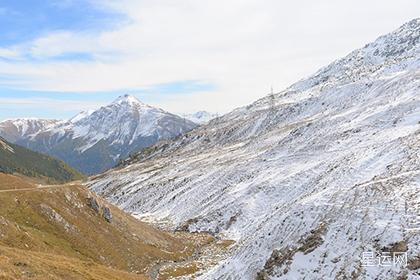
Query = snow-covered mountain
x=306 y=180
x=201 y=117
x=15 y=129
x=96 y=140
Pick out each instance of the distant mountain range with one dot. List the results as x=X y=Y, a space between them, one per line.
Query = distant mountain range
x=18 y=129
x=201 y=117
x=96 y=140
x=15 y=159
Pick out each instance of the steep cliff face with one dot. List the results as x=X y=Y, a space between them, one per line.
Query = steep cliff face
x=305 y=180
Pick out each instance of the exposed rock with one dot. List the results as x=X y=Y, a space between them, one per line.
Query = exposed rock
x=400 y=246
x=107 y=214
x=55 y=217
x=313 y=240
x=187 y=224
x=93 y=203
x=414 y=264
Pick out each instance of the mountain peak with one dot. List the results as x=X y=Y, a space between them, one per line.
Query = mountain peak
x=201 y=117
x=127 y=99
x=103 y=136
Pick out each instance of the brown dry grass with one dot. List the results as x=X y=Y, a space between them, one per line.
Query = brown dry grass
x=177 y=271
x=21 y=264
x=52 y=233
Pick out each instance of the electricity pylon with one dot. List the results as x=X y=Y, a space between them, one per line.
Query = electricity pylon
x=272 y=100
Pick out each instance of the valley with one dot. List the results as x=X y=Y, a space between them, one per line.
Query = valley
x=317 y=181
x=62 y=231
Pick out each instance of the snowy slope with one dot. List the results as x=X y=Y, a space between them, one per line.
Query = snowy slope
x=306 y=180
x=96 y=140
x=201 y=117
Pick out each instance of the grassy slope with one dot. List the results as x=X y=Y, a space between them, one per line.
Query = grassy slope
x=26 y=162
x=18 y=264
x=52 y=233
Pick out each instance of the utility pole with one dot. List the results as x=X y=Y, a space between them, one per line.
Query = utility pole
x=272 y=100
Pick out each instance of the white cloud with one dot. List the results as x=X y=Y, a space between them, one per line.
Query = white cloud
x=49 y=103
x=241 y=46
x=10 y=53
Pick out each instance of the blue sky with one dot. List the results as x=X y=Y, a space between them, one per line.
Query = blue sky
x=58 y=57
x=24 y=20
x=64 y=105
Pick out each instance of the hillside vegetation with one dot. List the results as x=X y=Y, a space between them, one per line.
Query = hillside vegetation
x=17 y=159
